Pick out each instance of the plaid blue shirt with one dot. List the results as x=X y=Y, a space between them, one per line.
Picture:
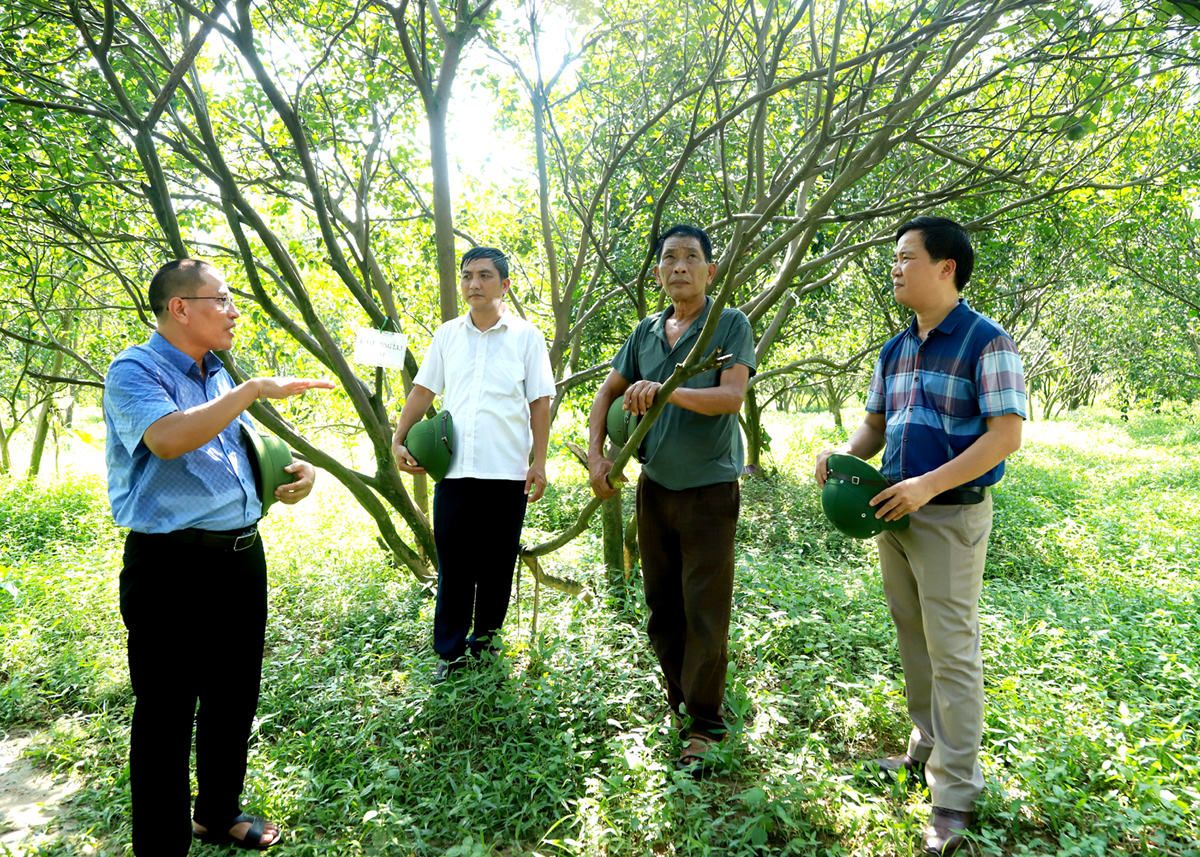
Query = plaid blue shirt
x=210 y=488
x=937 y=395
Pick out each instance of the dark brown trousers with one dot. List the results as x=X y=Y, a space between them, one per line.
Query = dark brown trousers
x=686 y=540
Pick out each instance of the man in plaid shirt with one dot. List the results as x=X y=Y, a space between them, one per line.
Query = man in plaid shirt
x=946 y=405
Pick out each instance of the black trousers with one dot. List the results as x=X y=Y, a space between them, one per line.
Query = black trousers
x=477 y=530
x=196 y=618
x=686 y=541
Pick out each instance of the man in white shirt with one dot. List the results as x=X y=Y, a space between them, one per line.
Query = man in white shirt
x=492 y=371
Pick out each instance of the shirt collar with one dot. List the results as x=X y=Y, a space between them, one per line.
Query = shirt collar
x=185 y=364
x=501 y=323
x=947 y=324
x=659 y=327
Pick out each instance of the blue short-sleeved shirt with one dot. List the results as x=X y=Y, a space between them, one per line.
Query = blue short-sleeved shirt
x=684 y=449
x=937 y=395
x=210 y=488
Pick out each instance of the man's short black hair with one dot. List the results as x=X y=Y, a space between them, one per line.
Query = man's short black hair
x=175 y=278
x=944 y=238
x=497 y=256
x=687 y=231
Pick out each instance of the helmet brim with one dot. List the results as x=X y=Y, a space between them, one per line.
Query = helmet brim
x=268 y=457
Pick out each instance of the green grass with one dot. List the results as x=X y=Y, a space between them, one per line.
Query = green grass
x=1091 y=642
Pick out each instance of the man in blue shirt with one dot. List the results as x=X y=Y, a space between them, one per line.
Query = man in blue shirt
x=946 y=404
x=193 y=584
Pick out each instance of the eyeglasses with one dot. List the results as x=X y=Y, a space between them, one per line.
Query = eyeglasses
x=226 y=301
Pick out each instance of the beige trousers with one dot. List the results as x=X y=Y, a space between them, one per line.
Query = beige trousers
x=932 y=576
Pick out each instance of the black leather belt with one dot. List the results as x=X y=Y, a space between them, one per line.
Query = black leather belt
x=235 y=540
x=967 y=495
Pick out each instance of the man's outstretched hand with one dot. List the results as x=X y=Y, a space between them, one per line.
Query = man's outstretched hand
x=283 y=388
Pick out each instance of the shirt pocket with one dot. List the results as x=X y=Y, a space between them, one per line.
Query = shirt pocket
x=506 y=378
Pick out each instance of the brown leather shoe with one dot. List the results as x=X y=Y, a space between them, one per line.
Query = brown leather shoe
x=890 y=766
x=945 y=832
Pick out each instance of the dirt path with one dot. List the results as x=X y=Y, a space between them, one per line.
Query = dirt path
x=29 y=798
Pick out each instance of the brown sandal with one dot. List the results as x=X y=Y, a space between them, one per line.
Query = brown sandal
x=694 y=758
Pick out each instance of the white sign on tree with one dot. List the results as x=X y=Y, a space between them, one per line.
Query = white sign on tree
x=380 y=348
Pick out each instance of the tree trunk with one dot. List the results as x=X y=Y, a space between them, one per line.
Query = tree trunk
x=633 y=554
x=752 y=425
x=5 y=460
x=613 y=523
x=421 y=493
x=443 y=217
x=39 y=437
x=834 y=401
x=43 y=422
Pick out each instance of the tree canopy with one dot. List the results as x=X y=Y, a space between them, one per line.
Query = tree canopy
x=304 y=148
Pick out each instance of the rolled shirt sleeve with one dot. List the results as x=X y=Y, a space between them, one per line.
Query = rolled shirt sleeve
x=875 y=392
x=432 y=374
x=740 y=343
x=539 y=377
x=1000 y=380
x=135 y=399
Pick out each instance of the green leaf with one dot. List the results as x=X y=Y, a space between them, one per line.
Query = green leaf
x=754 y=796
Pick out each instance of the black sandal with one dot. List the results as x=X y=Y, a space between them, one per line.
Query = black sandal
x=252 y=841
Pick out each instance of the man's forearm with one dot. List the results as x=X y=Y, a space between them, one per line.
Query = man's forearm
x=597 y=423
x=708 y=401
x=1001 y=440
x=539 y=422
x=725 y=398
x=182 y=432
x=415 y=407
x=868 y=438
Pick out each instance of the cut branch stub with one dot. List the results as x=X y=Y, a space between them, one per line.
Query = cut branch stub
x=570 y=587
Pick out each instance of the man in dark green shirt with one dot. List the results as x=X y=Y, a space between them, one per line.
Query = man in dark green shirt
x=687 y=496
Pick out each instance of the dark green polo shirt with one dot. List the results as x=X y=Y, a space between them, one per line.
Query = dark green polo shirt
x=684 y=449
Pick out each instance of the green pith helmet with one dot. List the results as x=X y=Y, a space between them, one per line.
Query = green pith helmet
x=431 y=443
x=268 y=456
x=620 y=423
x=846 y=498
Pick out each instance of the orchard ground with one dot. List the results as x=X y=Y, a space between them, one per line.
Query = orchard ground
x=1091 y=643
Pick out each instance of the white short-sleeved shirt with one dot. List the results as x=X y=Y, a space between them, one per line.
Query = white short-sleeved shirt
x=486 y=380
